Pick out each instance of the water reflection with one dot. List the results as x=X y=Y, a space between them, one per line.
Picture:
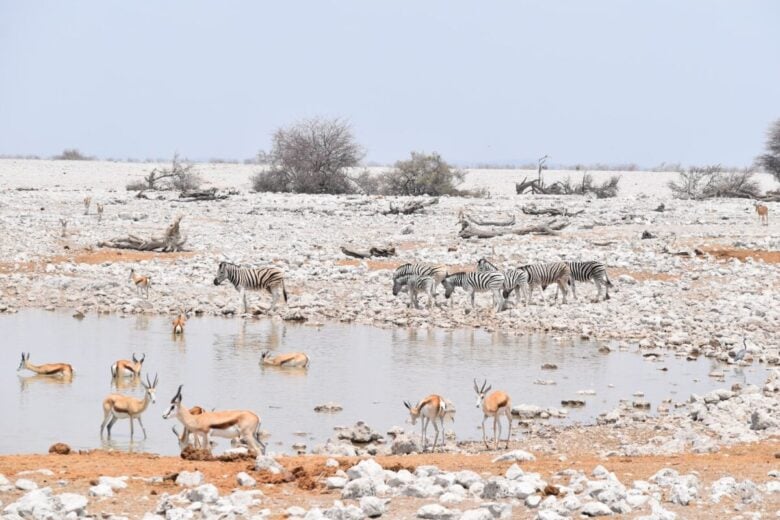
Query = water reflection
x=26 y=381
x=368 y=371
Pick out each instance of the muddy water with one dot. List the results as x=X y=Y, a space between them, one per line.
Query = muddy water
x=368 y=371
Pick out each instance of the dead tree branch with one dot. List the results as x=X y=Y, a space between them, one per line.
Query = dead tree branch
x=467 y=217
x=553 y=212
x=371 y=252
x=550 y=228
x=171 y=241
x=202 y=195
x=410 y=207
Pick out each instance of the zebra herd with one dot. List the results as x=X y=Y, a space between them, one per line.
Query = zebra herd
x=424 y=278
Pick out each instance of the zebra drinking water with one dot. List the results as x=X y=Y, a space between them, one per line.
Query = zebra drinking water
x=589 y=271
x=246 y=278
x=416 y=284
x=513 y=279
x=477 y=282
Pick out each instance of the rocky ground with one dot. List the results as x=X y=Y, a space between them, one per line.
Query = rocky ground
x=706 y=279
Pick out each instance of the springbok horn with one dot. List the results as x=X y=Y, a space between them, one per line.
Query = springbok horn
x=155 y=380
x=148 y=383
x=143 y=358
x=175 y=432
x=483 y=386
x=178 y=392
x=134 y=360
x=476 y=387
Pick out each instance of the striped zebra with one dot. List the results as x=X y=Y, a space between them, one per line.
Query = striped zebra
x=417 y=284
x=436 y=271
x=542 y=275
x=589 y=271
x=513 y=279
x=246 y=278
x=476 y=282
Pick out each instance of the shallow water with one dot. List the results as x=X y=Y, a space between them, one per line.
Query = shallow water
x=368 y=371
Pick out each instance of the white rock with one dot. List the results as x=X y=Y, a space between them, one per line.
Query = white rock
x=373 y=507
x=437 y=512
x=115 y=483
x=25 y=484
x=368 y=468
x=515 y=456
x=245 y=480
x=360 y=487
x=101 y=490
x=476 y=514
x=335 y=482
x=596 y=509
x=268 y=463
x=206 y=493
x=72 y=502
x=189 y=478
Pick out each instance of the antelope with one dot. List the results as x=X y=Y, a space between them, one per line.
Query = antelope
x=141 y=282
x=432 y=408
x=116 y=406
x=493 y=405
x=178 y=325
x=49 y=369
x=99 y=211
x=245 y=424
x=290 y=359
x=763 y=213
x=87 y=202
x=134 y=367
x=183 y=438
x=64 y=224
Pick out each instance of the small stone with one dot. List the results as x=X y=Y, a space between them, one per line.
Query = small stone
x=114 y=483
x=596 y=509
x=101 y=490
x=59 y=448
x=245 y=480
x=25 y=484
x=437 y=512
x=373 y=507
x=189 y=478
x=515 y=456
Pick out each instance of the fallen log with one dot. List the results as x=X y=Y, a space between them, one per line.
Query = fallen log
x=201 y=195
x=410 y=207
x=553 y=212
x=371 y=252
x=510 y=221
x=172 y=241
x=550 y=228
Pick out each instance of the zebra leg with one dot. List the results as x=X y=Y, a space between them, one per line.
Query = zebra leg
x=243 y=299
x=526 y=296
x=573 y=288
x=598 y=289
x=498 y=300
x=562 y=285
x=472 y=293
x=274 y=297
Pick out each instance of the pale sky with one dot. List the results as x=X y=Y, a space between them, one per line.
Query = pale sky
x=695 y=81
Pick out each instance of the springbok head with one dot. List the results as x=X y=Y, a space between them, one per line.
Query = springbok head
x=138 y=361
x=481 y=391
x=414 y=412
x=25 y=359
x=150 y=387
x=175 y=402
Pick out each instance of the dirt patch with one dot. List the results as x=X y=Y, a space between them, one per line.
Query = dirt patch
x=91 y=257
x=770 y=257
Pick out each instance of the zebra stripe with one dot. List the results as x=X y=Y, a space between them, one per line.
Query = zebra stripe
x=401 y=274
x=476 y=282
x=246 y=278
x=589 y=271
x=419 y=284
x=484 y=266
x=516 y=279
x=542 y=275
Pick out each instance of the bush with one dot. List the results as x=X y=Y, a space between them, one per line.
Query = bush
x=605 y=190
x=311 y=156
x=72 y=154
x=180 y=176
x=770 y=161
x=706 y=182
x=422 y=175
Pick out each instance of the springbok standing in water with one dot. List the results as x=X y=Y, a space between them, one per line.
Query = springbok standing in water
x=244 y=422
x=49 y=369
x=178 y=325
x=141 y=282
x=493 y=405
x=186 y=438
x=119 y=368
x=116 y=406
x=289 y=360
x=432 y=408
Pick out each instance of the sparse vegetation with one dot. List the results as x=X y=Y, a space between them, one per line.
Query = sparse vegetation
x=180 y=176
x=770 y=161
x=422 y=174
x=311 y=156
x=705 y=182
x=72 y=154
x=605 y=190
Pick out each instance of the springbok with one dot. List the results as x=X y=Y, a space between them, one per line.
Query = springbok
x=64 y=224
x=99 y=211
x=87 y=202
x=432 y=408
x=134 y=367
x=183 y=438
x=178 y=325
x=116 y=406
x=49 y=369
x=763 y=213
x=141 y=282
x=245 y=423
x=493 y=405
x=290 y=359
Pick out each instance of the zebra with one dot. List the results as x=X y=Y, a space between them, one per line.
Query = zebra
x=418 y=284
x=476 y=282
x=246 y=278
x=516 y=279
x=542 y=275
x=586 y=272
x=437 y=272
x=513 y=279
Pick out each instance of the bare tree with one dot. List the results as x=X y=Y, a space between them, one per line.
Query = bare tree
x=706 y=182
x=311 y=156
x=770 y=161
x=180 y=176
x=72 y=154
